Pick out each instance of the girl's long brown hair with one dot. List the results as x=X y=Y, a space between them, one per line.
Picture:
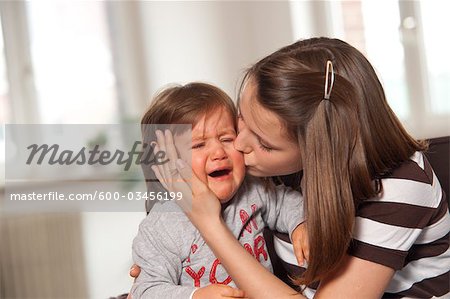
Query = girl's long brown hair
x=348 y=143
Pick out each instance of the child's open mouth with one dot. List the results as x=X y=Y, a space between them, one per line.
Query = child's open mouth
x=221 y=173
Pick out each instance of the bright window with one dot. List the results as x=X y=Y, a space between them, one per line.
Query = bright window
x=405 y=42
x=4 y=98
x=72 y=62
x=437 y=48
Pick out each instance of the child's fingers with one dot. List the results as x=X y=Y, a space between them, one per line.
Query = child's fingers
x=135 y=270
x=301 y=243
x=299 y=254
x=306 y=251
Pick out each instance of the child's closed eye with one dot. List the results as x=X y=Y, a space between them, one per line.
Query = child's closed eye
x=229 y=139
x=198 y=145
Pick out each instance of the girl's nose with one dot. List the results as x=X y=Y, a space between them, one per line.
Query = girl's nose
x=240 y=143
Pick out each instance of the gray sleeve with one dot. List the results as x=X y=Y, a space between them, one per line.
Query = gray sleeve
x=160 y=260
x=284 y=209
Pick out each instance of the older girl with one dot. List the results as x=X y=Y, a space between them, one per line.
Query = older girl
x=377 y=219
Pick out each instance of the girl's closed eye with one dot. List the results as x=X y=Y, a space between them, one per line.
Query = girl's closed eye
x=263 y=146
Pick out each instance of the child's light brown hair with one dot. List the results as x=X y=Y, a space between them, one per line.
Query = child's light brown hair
x=185 y=104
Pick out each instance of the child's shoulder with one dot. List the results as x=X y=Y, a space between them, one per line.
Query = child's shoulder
x=266 y=185
x=165 y=207
x=165 y=215
x=251 y=182
x=254 y=188
x=168 y=227
x=264 y=191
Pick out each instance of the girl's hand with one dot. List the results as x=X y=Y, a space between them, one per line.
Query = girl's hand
x=301 y=244
x=198 y=202
x=218 y=291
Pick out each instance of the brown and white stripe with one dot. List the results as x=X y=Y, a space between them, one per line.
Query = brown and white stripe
x=406 y=228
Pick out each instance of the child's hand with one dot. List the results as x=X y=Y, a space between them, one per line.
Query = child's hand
x=301 y=243
x=135 y=270
x=218 y=291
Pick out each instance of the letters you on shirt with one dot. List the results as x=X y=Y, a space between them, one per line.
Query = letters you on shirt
x=256 y=249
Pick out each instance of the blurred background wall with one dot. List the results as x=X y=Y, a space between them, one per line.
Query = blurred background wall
x=80 y=62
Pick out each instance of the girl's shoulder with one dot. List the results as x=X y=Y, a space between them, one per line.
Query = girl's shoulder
x=413 y=182
x=417 y=169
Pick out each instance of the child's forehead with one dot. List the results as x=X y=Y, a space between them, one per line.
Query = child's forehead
x=214 y=124
x=219 y=117
x=210 y=126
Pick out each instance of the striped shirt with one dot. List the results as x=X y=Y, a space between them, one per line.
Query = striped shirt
x=406 y=227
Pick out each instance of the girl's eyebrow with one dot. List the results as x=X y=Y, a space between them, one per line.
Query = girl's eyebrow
x=261 y=140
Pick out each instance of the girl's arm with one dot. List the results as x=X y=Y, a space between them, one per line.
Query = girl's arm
x=353 y=278
x=246 y=271
x=356 y=278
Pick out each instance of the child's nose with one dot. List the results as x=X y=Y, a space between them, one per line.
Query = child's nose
x=218 y=152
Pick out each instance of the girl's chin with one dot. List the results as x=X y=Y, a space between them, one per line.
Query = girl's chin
x=256 y=172
x=261 y=173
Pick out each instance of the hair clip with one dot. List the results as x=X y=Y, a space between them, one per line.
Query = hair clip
x=329 y=86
